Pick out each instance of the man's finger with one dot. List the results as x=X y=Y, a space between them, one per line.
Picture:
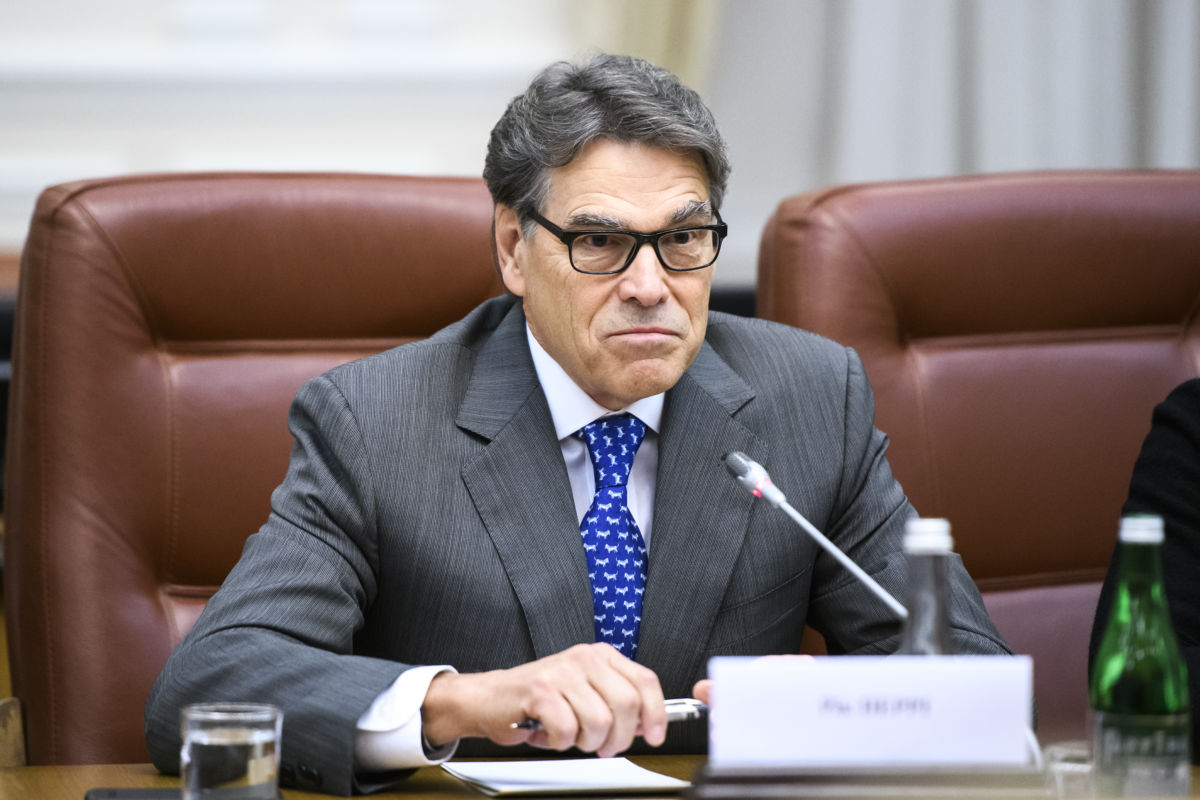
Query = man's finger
x=651 y=713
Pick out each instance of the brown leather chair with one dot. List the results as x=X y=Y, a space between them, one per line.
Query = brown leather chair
x=1018 y=330
x=163 y=325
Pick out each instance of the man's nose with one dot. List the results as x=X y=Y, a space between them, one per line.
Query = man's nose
x=645 y=278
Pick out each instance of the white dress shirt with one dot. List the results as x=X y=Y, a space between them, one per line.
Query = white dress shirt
x=571 y=408
x=389 y=733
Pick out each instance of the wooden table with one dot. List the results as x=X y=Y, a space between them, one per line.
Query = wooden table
x=430 y=783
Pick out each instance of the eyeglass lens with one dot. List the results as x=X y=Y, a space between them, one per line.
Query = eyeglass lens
x=683 y=249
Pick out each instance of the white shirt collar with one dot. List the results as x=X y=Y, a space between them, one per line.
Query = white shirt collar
x=570 y=407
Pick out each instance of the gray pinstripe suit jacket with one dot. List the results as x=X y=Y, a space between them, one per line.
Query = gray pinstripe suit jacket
x=427 y=518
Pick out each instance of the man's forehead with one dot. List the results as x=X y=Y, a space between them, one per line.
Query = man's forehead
x=612 y=178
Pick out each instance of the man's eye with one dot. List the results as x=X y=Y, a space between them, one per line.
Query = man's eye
x=594 y=242
x=679 y=239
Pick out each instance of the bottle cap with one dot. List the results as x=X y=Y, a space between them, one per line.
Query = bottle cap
x=1141 y=529
x=927 y=535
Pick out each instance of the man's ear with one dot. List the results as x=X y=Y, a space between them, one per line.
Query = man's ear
x=506 y=237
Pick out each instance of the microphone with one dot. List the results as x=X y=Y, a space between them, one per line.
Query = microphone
x=753 y=476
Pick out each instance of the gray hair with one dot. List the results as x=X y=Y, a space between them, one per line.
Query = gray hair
x=568 y=105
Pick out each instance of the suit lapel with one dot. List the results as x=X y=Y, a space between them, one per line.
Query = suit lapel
x=520 y=488
x=700 y=518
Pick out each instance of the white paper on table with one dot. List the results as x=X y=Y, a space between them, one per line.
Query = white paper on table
x=562 y=776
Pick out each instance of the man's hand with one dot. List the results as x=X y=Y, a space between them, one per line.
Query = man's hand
x=589 y=696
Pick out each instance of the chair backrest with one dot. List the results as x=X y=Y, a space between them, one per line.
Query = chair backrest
x=163 y=325
x=1018 y=330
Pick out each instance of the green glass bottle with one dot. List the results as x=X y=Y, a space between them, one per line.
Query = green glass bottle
x=1138 y=688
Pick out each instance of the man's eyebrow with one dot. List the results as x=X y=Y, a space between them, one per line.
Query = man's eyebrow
x=695 y=208
x=585 y=221
x=595 y=222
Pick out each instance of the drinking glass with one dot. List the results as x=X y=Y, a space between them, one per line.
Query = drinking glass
x=230 y=751
x=1069 y=769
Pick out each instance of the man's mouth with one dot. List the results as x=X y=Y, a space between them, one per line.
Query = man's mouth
x=648 y=332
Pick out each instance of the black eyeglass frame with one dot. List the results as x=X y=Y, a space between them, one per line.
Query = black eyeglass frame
x=640 y=239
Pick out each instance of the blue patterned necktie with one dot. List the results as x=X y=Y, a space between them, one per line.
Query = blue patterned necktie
x=616 y=552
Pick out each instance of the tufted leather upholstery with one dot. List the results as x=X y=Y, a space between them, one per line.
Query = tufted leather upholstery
x=1018 y=330
x=163 y=325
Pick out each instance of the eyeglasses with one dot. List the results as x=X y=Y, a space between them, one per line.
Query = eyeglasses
x=607 y=252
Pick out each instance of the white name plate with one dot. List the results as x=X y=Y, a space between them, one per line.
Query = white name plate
x=870 y=711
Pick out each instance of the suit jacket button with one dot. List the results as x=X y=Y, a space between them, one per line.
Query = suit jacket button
x=310 y=776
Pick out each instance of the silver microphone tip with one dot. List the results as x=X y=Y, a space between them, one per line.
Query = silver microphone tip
x=738 y=463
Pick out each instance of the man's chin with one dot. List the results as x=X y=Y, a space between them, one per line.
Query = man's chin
x=647 y=378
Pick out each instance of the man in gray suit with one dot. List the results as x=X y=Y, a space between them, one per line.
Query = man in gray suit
x=435 y=567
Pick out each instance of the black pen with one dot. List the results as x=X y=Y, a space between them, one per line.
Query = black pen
x=679 y=709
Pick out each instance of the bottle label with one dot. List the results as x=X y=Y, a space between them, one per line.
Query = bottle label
x=1139 y=755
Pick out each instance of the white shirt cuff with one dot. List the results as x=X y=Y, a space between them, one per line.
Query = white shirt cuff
x=389 y=732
